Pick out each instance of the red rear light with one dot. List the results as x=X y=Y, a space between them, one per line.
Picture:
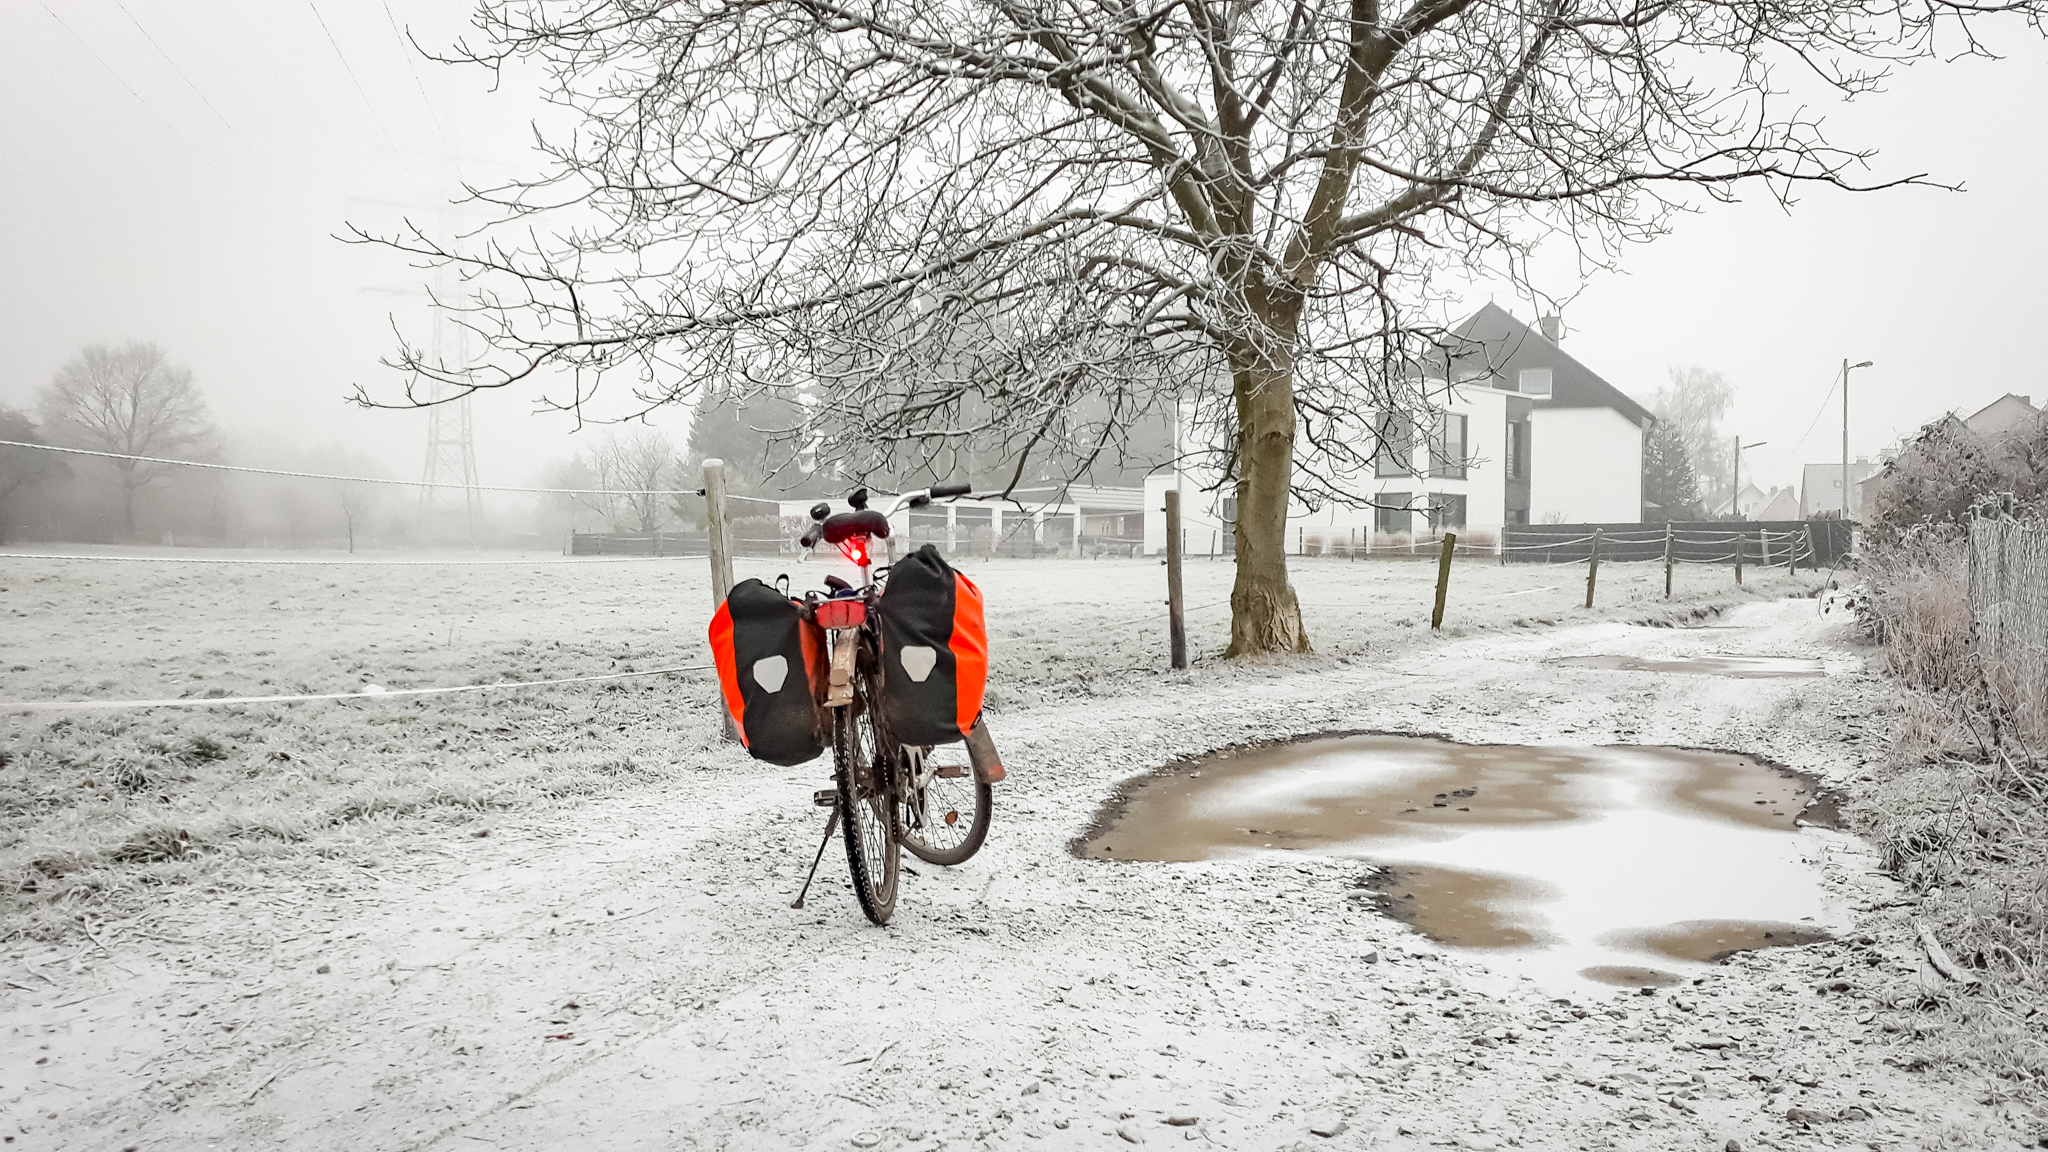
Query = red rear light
x=841 y=613
x=855 y=550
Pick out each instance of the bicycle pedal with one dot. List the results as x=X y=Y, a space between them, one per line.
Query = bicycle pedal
x=825 y=797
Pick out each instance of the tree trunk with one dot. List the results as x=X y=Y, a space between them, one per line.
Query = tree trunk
x=128 y=487
x=1264 y=614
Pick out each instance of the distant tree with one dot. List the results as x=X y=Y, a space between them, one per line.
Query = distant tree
x=630 y=466
x=1693 y=403
x=1671 y=488
x=129 y=399
x=751 y=437
x=21 y=468
x=356 y=503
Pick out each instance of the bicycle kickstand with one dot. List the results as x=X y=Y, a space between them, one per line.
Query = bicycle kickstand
x=831 y=826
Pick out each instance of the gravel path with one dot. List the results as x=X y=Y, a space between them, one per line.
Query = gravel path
x=625 y=971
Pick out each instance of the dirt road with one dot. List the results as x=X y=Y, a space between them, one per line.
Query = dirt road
x=626 y=972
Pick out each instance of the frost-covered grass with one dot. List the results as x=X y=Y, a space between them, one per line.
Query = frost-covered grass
x=100 y=808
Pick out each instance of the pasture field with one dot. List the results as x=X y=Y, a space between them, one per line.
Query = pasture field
x=102 y=810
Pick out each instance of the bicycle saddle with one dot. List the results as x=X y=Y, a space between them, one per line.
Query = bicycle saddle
x=846 y=525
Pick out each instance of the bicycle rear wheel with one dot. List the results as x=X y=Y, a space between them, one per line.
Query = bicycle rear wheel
x=945 y=820
x=863 y=771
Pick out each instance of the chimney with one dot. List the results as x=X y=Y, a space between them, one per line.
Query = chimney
x=1553 y=328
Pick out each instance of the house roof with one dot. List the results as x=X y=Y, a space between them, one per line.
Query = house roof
x=2003 y=413
x=1497 y=345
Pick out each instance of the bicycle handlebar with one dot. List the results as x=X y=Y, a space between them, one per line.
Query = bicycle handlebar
x=916 y=499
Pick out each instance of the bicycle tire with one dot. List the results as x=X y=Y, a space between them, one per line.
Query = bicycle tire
x=863 y=774
x=956 y=851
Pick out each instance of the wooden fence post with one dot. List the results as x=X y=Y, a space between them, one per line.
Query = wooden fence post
x=1741 y=543
x=1812 y=553
x=1443 y=580
x=1667 y=559
x=721 y=557
x=1176 y=616
x=1593 y=568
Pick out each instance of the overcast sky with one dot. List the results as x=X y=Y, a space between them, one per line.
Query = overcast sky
x=175 y=171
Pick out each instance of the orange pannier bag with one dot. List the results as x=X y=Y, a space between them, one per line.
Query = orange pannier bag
x=771 y=666
x=934 y=651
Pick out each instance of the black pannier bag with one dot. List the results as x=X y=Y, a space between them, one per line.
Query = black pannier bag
x=770 y=664
x=934 y=651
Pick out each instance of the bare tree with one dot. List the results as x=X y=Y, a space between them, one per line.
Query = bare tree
x=631 y=466
x=127 y=399
x=963 y=216
x=357 y=501
x=1693 y=403
x=21 y=468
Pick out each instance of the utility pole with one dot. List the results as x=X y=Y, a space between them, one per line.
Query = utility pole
x=1846 y=367
x=1735 y=497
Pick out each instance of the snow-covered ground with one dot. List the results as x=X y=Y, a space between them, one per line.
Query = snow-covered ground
x=559 y=918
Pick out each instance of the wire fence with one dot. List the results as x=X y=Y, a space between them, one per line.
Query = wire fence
x=2009 y=613
x=1764 y=543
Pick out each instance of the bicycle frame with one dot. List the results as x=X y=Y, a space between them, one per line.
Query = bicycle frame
x=897 y=776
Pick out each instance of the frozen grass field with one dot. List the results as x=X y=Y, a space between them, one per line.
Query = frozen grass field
x=101 y=810
x=516 y=918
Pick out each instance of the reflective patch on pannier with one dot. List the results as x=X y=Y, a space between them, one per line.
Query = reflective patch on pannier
x=770 y=672
x=918 y=660
x=935 y=650
x=775 y=704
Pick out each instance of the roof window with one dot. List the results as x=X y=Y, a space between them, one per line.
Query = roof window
x=1533 y=382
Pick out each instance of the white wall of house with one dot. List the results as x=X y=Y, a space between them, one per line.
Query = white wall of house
x=1341 y=526
x=1586 y=466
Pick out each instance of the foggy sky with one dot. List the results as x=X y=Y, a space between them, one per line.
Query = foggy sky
x=176 y=171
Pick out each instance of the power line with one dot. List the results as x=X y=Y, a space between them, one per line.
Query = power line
x=118 y=77
x=1790 y=452
x=404 y=46
x=232 y=130
x=350 y=69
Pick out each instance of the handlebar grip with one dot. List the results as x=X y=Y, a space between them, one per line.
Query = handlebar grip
x=810 y=539
x=940 y=491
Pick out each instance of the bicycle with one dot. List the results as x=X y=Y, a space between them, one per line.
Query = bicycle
x=885 y=795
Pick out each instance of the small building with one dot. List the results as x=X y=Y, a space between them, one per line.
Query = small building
x=1514 y=430
x=1820 y=488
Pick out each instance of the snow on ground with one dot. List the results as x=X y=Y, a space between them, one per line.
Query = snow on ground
x=559 y=918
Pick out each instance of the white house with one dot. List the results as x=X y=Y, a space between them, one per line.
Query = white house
x=1518 y=432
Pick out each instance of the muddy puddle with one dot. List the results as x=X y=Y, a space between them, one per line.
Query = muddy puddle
x=1733 y=667
x=1634 y=866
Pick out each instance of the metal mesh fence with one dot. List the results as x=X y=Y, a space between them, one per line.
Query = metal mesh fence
x=2009 y=613
x=1763 y=543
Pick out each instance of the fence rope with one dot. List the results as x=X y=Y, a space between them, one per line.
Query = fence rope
x=371 y=692
x=337 y=560
x=361 y=479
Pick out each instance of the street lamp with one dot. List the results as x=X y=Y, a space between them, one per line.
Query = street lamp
x=1735 y=490
x=1846 y=368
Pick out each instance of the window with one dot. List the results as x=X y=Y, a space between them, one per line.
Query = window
x=1533 y=382
x=1394 y=452
x=1390 y=514
x=1518 y=450
x=1447 y=447
x=1446 y=513
x=1229 y=512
